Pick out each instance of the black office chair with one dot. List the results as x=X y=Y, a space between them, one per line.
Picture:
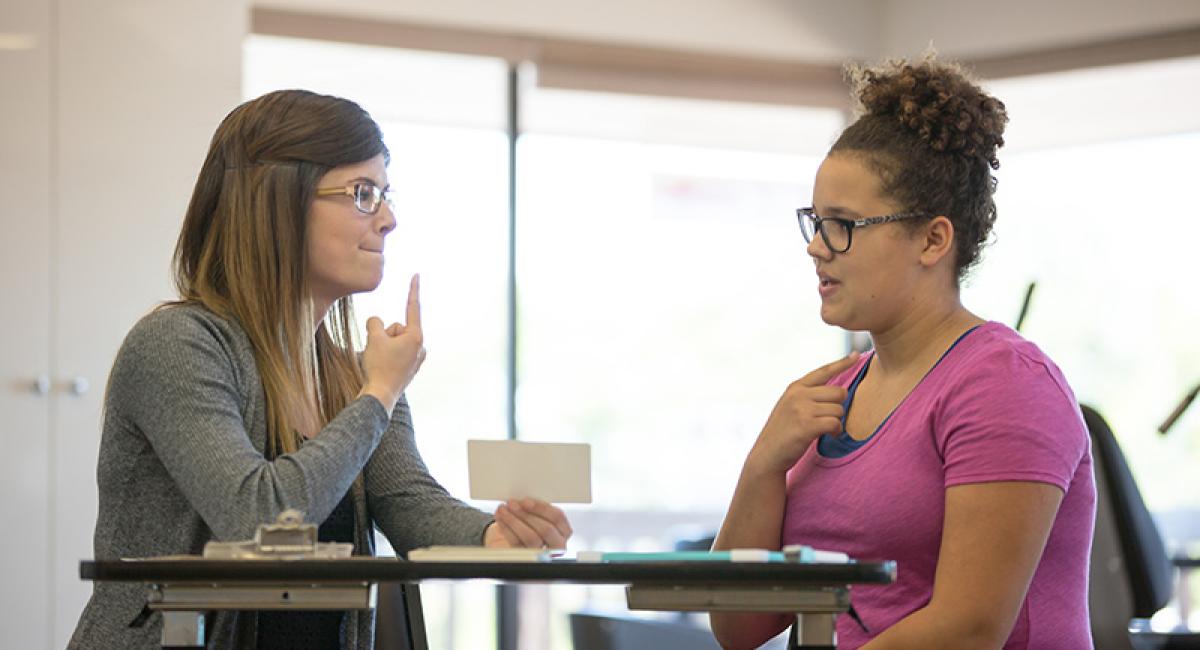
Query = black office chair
x=1131 y=575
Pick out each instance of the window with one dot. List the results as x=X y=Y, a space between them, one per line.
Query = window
x=666 y=301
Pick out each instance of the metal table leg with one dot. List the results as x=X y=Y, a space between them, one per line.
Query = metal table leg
x=183 y=629
x=815 y=631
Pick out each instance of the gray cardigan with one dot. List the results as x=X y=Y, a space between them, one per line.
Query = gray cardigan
x=181 y=462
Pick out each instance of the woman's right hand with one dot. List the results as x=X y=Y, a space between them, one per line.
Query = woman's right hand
x=807 y=409
x=395 y=353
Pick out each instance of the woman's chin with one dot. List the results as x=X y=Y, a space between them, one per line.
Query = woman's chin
x=370 y=282
x=831 y=316
x=839 y=318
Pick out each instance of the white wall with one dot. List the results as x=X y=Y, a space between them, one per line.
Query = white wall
x=25 y=185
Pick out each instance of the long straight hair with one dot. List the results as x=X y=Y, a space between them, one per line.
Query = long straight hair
x=242 y=251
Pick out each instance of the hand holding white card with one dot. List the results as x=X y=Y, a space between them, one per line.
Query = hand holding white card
x=556 y=472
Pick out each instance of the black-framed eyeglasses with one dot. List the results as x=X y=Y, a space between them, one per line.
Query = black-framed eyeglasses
x=367 y=196
x=837 y=232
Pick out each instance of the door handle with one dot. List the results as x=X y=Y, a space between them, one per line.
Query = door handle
x=78 y=386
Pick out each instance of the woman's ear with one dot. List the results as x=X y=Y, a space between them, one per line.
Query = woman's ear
x=939 y=241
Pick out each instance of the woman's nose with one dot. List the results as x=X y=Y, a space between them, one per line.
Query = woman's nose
x=386 y=218
x=817 y=248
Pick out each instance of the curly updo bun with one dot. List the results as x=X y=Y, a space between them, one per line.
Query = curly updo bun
x=931 y=134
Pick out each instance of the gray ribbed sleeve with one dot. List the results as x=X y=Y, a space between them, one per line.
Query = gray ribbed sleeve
x=407 y=504
x=181 y=462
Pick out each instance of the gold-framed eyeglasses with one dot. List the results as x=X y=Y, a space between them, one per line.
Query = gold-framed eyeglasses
x=367 y=196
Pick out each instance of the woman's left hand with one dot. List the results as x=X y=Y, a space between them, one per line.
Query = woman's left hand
x=528 y=523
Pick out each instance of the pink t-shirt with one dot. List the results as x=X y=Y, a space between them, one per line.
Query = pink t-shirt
x=994 y=409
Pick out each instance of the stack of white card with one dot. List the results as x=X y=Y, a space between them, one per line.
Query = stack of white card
x=557 y=472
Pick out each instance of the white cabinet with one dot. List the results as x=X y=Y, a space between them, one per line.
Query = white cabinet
x=25 y=233
x=106 y=112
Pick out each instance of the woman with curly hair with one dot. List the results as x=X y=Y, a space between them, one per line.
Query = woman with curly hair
x=955 y=447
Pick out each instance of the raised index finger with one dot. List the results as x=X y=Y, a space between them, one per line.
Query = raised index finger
x=822 y=375
x=413 y=310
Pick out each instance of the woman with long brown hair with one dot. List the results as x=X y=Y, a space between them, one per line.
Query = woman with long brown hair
x=247 y=395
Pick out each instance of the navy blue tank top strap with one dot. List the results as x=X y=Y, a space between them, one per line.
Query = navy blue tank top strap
x=843 y=444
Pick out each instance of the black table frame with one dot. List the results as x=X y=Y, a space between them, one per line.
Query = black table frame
x=704 y=586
